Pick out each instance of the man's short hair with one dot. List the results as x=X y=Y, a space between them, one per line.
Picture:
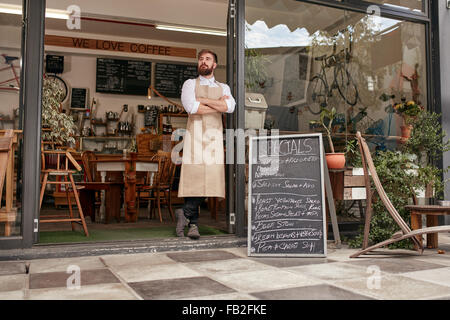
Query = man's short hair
x=204 y=51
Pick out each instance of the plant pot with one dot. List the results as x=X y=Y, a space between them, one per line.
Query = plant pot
x=335 y=160
x=406 y=131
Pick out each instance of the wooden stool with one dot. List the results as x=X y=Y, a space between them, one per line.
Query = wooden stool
x=63 y=158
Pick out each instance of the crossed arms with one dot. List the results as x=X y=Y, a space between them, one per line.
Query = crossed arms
x=194 y=105
x=211 y=106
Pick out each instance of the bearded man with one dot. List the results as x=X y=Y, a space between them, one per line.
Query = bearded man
x=203 y=168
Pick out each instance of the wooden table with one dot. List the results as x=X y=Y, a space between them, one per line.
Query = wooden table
x=128 y=165
x=432 y=212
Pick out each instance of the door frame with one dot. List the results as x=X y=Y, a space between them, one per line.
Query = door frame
x=32 y=52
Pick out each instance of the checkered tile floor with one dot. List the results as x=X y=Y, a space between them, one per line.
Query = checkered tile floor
x=228 y=274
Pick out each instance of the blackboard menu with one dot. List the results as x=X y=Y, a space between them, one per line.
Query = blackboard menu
x=150 y=117
x=79 y=98
x=169 y=78
x=54 y=64
x=286 y=196
x=123 y=76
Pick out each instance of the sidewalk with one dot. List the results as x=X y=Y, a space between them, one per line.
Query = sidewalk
x=227 y=273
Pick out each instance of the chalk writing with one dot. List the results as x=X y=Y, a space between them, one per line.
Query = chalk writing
x=286 y=209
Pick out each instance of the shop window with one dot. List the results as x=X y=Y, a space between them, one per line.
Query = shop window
x=360 y=64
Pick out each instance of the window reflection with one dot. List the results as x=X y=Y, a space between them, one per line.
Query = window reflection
x=362 y=65
x=413 y=5
x=10 y=123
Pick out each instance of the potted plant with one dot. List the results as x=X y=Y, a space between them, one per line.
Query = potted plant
x=408 y=111
x=335 y=160
x=60 y=126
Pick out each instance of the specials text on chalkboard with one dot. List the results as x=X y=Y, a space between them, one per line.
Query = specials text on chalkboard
x=169 y=78
x=123 y=76
x=286 y=205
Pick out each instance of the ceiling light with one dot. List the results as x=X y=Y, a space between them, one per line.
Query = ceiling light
x=49 y=13
x=192 y=30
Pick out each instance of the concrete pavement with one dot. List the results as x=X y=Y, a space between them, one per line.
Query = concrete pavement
x=228 y=274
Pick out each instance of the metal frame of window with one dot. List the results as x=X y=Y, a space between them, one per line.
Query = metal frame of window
x=386 y=11
x=429 y=18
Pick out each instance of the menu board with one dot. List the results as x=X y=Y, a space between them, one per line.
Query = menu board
x=286 y=196
x=79 y=98
x=169 y=78
x=54 y=64
x=123 y=76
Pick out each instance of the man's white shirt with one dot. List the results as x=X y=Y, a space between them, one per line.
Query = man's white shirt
x=189 y=100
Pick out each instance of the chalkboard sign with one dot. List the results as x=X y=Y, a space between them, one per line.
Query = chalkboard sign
x=169 y=78
x=54 y=64
x=79 y=98
x=123 y=76
x=286 y=196
x=150 y=117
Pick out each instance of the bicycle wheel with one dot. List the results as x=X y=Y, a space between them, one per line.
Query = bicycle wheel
x=317 y=95
x=345 y=85
x=61 y=84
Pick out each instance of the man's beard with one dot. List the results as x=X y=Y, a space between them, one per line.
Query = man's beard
x=205 y=71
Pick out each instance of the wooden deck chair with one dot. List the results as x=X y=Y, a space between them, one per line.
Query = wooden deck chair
x=405 y=232
x=5 y=153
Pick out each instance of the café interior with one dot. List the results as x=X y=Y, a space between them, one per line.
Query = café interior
x=116 y=75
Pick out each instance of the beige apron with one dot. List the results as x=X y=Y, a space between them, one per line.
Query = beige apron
x=203 y=169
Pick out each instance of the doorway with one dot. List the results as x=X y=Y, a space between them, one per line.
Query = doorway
x=105 y=62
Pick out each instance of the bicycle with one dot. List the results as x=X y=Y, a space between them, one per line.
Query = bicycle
x=319 y=90
x=8 y=85
x=11 y=84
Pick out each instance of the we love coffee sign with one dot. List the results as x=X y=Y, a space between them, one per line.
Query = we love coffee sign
x=119 y=46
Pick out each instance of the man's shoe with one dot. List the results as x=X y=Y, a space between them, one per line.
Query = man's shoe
x=193 y=232
x=182 y=222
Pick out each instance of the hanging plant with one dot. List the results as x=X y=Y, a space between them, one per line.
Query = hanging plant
x=60 y=124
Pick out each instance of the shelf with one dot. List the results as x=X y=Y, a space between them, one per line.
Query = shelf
x=79 y=109
x=173 y=114
x=98 y=123
x=107 y=138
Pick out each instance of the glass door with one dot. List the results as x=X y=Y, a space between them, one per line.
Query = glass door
x=11 y=133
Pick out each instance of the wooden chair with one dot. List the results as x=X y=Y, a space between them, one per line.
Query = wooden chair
x=160 y=190
x=90 y=194
x=7 y=215
x=63 y=169
x=405 y=232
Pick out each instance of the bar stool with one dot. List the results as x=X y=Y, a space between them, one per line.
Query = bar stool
x=63 y=161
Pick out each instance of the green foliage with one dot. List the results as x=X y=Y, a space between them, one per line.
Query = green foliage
x=427 y=137
x=255 y=69
x=326 y=120
x=426 y=145
x=397 y=182
x=352 y=154
x=408 y=109
x=60 y=124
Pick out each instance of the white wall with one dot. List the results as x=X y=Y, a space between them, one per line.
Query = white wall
x=80 y=71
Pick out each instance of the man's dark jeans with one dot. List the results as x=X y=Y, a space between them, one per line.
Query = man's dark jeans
x=190 y=208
